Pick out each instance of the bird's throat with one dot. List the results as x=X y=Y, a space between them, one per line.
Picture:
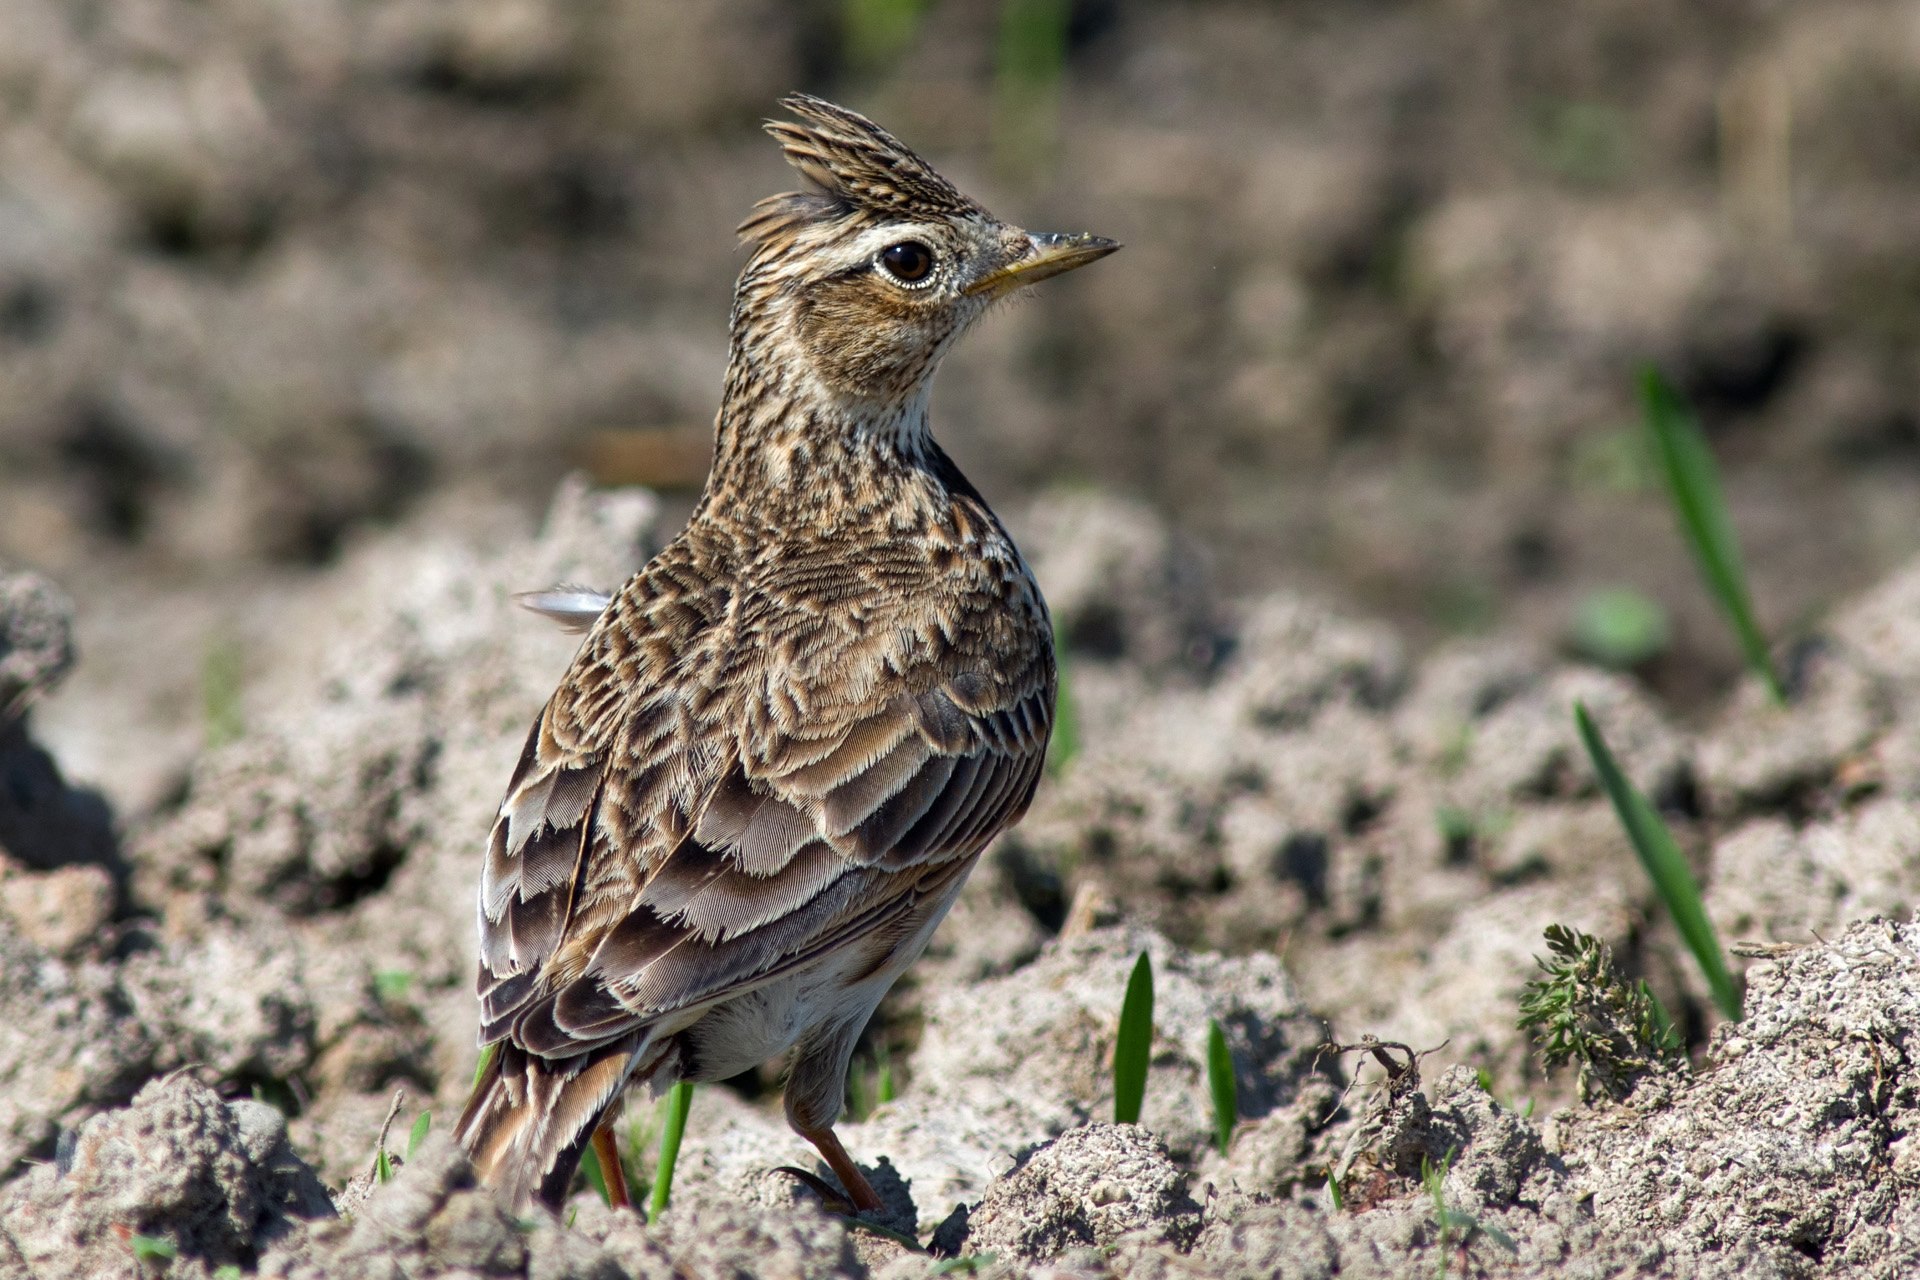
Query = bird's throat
x=784 y=443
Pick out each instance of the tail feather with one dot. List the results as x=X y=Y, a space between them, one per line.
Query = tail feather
x=530 y=1117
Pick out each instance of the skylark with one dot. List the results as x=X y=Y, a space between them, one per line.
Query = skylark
x=784 y=743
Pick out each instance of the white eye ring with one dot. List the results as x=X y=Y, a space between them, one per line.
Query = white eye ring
x=908 y=263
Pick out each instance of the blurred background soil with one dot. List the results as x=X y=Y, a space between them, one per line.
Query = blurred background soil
x=273 y=274
x=1335 y=480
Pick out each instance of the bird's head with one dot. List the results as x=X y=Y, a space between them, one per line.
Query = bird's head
x=869 y=276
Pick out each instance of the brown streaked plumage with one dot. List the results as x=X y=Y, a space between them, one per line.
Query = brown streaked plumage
x=784 y=743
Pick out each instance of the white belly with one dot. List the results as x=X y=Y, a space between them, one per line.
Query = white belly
x=764 y=1023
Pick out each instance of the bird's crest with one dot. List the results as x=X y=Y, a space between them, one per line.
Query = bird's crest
x=856 y=168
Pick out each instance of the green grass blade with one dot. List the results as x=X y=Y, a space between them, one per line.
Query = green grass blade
x=480 y=1067
x=679 y=1103
x=1694 y=483
x=1134 y=1044
x=418 y=1134
x=596 y=1176
x=1666 y=865
x=1220 y=1083
x=382 y=1167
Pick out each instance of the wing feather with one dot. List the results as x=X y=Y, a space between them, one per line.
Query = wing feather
x=661 y=851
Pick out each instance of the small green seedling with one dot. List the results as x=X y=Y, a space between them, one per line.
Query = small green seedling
x=228 y=1272
x=486 y=1059
x=870 y=1084
x=153 y=1248
x=679 y=1102
x=1134 y=1044
x=418 y=1134
x=392 y=985
x=1618 y=627
x=969 y=1265
x=1456 y=1229
x=1584 y=1010
x=1666 y=866
x=382 y=1162
x=1220 y=1083
x=1694 y=484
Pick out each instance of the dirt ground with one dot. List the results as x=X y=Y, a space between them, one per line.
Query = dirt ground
x=309 y=314
x=1316 y=839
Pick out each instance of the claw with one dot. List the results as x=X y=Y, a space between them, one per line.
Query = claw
x=836 y=1201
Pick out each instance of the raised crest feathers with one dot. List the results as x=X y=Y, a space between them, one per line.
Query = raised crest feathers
x=855 y=168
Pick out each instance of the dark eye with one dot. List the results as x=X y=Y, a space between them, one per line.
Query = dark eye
x=908 y=262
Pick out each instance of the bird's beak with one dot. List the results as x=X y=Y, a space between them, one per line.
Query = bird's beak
x=1050 y=253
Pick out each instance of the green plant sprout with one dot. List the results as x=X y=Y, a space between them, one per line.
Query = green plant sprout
x=869 y=1084
x=1522 y=1107
x=1694 y=484
x=1456 y=1229
x=1220 y=1083
x=392 y=985
x=1134 y=1044
x=1666 y=866
x=480 y=1067
x=418 y=1134
x=1618 y=627
x=678 y=1103
x=1583 y=1010
x=153 y=1248
x=382 y=1167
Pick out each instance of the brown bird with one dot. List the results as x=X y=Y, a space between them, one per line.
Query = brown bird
x=784 y=743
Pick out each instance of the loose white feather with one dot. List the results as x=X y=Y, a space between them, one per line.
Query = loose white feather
x=574 y=607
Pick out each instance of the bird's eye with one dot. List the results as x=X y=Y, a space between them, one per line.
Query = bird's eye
x=908 y=262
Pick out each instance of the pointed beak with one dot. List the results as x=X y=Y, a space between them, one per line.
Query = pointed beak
x=1049 y=253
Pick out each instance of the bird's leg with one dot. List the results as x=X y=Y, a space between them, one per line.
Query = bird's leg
x=859 y=1190
x=607 y=1152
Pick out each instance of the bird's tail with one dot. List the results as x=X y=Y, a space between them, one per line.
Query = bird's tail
x=530 y=1117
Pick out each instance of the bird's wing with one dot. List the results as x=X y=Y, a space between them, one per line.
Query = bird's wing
x=672 y=866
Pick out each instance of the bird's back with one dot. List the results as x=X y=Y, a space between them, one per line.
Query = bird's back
x=760 y=751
